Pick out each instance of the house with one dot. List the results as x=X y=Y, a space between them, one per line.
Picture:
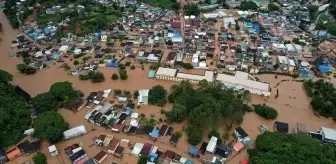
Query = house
x=174 y=138
x=238 y=146
x=223 y=150
x=229 y=22
x=113 y=145
x=155 y=133
x=100 y=157
x=28 y=147
x=107 y=140
x=300 y=128
x=74 y=132
x=281 y=127
x=240 y=133
x=167 y=157
x=207 y=157
x=212 y=144
x=13 y=152
x=3 y=157
x=240 y=81
x=53 y=150
x=171 y=58
x=193 y=151
x=328 y=135
x=174 y=75
x=118 y=152
x=137 y=149
x=323 y=64
x=163 y=130
x=143 y=97
x=146 y=149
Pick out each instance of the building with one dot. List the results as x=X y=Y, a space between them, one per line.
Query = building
x=229 y=22
x=212 y=144
x=300 y=128
x=281 y=127
x=13 y=152
x=74 y=132
x=100 y=157
x=174 y=75
x=240 y=81
x=143 y=97
x=328 y=135
x=53 y=150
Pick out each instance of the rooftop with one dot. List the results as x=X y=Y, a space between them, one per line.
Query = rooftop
x=166 y=72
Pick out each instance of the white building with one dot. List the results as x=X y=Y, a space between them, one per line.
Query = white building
x=174 y=75
x=228 y=21
x=74 y=132
x=328 y=135
x=53 y=150
x=211 y=147
x=194 y=60
x=240 y=81
x=143 y=97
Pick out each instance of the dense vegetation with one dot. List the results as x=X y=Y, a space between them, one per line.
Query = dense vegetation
x=248 y=5
x=157 y=95
x=276 y=148
x=164 y=4
x=191 y=9
x=50 y=126
x=273 y=7
x=61 y=94
x=25 y=69
x=205 y=107
x=265 y=111
x=39 y=158
x=324 y=97
x=14 y=113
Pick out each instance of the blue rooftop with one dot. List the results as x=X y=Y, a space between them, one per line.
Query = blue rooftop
x=189 y=162
x=154 y=133
x=128 y=110
x=193 y=150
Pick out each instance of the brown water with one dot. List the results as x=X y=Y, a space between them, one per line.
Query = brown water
x=291 y=110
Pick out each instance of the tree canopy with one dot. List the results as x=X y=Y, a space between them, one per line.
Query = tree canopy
x=25 y=69
x=273 y=7
x=276 y=148
x=50 y=126
x=96 y=77
x=205 y=107
x=324 y=97
x=45 y=102
x=191 y=9
x=248 y=5
x=15 y=116
x=39 y=158
x=63 y=91
x=266 y=112
x=157 y=95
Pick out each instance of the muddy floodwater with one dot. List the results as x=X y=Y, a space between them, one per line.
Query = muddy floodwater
x=292 y=105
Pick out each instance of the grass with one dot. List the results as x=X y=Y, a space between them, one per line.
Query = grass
x=111 y=18
x=46 y=18
x=166 y=4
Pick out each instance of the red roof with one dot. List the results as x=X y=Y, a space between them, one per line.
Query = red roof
x=244 y=161
x=13 y=152
x=238 y=146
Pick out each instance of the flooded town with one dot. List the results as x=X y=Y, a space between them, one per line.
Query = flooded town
x=166 y=81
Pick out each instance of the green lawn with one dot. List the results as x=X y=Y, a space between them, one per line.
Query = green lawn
x=46 y=18
x=166 y=4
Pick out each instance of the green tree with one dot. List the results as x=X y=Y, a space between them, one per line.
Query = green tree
x=66 y=66
x=142 y=160
x=114 y=76
x=39 y=158
x=245 y=96
x=177 y=114
x=194 y=136
x=76 y=62
x=83 y=77
x=273 y=7
x=191 y=9
x=123 y=74
x=96 y=77
x=5 y=77
x=45 y=102
x=157 y=95
x=63 y=91
x=135 y=94
x=15 y=117
x=266 y=112
x=25 y=69
x=289 y=149
x=248 y=5
x=132 y=67
x=50 y=126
